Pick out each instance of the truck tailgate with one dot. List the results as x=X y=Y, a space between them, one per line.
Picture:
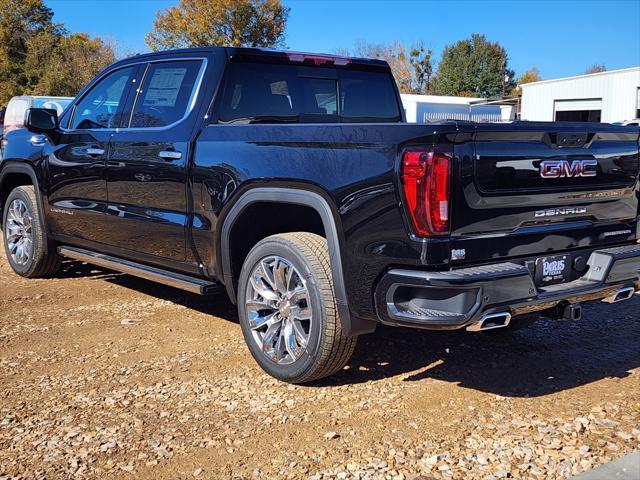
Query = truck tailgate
x=529 y=188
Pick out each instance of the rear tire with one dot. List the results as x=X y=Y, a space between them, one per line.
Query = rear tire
x=25 y=241
x=288 y=311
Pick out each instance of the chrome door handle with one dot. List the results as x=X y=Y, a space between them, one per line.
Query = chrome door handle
x=94 y=152
x=38 y=140
x=170 y=155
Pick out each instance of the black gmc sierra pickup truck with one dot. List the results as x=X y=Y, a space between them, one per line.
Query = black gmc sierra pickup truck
x=293 y=182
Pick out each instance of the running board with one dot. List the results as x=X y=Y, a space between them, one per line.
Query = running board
x=177 y=280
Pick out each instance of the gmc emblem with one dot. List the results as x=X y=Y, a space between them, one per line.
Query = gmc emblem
x=565 y=168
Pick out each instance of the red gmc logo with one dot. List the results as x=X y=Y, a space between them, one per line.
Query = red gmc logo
x=565 y=168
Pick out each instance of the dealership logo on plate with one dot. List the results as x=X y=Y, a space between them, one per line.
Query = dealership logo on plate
x=553 y=268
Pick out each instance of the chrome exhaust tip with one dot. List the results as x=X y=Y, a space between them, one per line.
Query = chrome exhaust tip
x=621 y=295
x=490 y=321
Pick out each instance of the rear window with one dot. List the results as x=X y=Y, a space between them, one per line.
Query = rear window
x=272 y=93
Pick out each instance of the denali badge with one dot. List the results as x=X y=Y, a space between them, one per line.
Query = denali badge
x=60 y=210
x=554 y=212
x=565 y=168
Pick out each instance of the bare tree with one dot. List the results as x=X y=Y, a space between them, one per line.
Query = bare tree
x=595 y=68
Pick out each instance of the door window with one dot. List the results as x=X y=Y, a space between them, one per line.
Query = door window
x=100 y=107
x=165 y=94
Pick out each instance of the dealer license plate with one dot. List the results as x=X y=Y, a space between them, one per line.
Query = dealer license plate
x=552 y=270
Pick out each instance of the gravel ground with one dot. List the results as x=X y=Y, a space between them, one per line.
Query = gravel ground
x=107 y=376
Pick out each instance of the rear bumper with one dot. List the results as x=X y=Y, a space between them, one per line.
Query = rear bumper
x=458 y=298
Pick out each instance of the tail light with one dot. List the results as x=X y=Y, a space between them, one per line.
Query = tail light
x=426 y=187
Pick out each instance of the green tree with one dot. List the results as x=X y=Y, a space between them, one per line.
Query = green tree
x=38 y=56
x=474 y=67
x=20 y=21
x=63 y=66
x=531 y=75
x=237 y=23
x=595 y=68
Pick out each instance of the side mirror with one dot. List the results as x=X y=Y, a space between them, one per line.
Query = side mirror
x=41 y=120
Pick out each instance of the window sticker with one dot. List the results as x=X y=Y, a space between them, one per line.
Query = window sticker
x=164 y=87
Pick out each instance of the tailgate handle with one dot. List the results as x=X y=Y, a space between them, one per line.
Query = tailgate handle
x=571 y=139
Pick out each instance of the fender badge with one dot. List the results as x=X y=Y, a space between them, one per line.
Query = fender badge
x=59 y=210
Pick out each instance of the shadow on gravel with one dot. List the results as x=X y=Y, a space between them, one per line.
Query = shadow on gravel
x=545 y=357
x=73 y=269
x=216 y=305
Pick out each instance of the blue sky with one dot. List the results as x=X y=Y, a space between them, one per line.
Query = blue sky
x=561 y=37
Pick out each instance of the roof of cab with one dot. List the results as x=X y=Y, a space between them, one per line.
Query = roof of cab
x=234 y=52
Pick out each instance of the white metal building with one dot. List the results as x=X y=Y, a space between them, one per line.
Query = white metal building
x=424 y=108
x=609 y=97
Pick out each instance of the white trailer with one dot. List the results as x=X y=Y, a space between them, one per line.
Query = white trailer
x=425 y=108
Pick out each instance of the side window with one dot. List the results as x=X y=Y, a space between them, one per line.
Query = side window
x=365 y=96
x=277 y=93
x=99 y=107
x=165 y=93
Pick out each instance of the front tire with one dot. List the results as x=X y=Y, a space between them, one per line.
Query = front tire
x=288 y=311
x=24 y=239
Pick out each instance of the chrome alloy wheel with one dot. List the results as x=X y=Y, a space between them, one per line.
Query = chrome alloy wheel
x=279 y=310
x=19 y=232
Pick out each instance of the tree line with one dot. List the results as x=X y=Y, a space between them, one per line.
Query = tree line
x=473 y=67
x=41 y=57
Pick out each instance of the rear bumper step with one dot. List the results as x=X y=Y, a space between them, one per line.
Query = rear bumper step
x=467 y=297
x=183 y=282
